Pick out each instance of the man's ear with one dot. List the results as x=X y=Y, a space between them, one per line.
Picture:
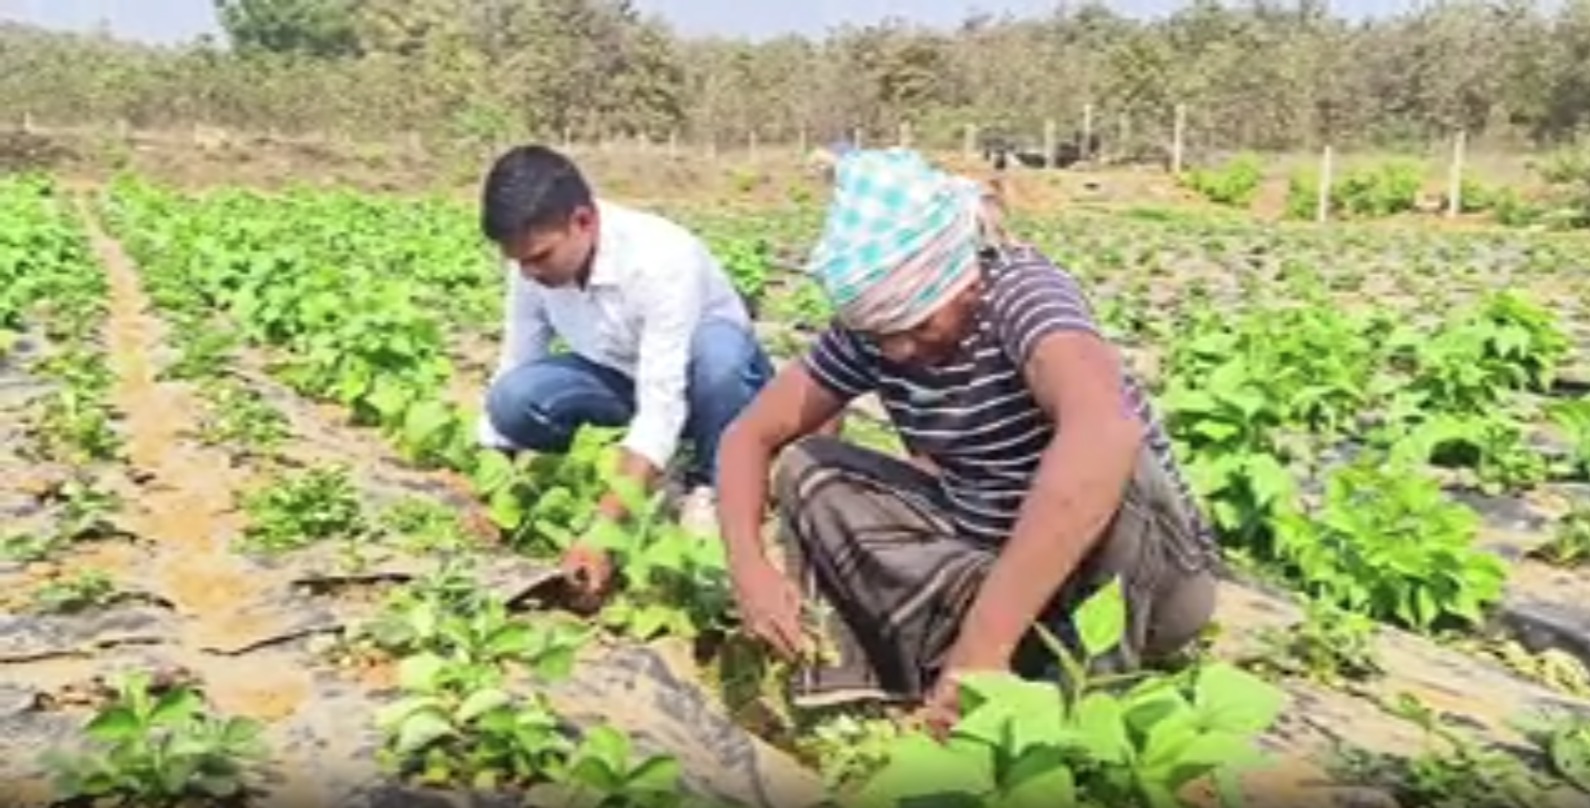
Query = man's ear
x=584 y=219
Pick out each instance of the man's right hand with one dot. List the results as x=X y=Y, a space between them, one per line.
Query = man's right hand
x=589 y=571
x=770 y=606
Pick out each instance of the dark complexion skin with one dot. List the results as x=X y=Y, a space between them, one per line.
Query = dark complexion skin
x=1075 y=378
x=937 y=339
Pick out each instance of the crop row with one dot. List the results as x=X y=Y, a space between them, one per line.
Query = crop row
x=337 y=353
x=52 y=301
x=1311 y=429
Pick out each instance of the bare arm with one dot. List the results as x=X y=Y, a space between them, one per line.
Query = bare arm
x=1076 y=378
x=793 y=405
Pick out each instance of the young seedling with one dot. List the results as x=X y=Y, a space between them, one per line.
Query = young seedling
x=1570 y=541
x=160 y=749
x=299 y=510
x=86 y=590
x=1330 y=645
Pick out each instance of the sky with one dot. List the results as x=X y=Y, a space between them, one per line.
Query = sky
x=171 y=21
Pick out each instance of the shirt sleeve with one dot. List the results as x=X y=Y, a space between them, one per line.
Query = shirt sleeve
x=526 y=336
x=1033 y=300
x=671 y=300
x=838 y=362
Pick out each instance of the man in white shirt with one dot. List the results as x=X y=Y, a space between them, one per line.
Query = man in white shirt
x=659 y=339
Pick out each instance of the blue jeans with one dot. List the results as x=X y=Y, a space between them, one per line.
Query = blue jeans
x=539 y=406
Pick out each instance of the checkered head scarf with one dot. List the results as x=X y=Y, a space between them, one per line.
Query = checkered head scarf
x=901 y=239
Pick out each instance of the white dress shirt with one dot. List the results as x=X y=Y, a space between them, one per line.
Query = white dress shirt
x=651 y=283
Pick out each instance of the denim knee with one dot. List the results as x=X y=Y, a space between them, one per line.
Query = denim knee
x=541 y=406
x=727 y=370
x=519 y=417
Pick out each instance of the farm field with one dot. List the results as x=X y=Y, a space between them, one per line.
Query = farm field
x=250 y=552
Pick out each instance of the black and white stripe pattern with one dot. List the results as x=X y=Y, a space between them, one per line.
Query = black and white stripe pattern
x=976 y=419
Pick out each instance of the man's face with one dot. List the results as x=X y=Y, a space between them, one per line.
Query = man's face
x=558 y=255
x=936 y=340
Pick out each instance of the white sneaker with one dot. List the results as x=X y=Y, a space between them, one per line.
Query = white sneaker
x=698 y=511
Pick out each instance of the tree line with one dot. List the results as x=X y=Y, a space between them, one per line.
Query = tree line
x=1258 y=75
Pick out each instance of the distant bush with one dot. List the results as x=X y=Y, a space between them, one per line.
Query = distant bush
x=1233 y=183
x=1369 y=192
x=1568 y=171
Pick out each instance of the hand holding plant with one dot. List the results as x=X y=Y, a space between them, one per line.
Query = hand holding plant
x=770 y=606
x=589 y=570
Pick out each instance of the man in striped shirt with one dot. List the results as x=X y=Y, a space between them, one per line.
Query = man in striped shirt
x=1052 y=475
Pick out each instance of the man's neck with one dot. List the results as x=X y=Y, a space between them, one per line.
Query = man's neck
x=584 y=278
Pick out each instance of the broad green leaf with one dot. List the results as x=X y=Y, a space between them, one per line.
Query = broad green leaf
x=421 y=729
x=1210 y=751
x=595 y=774
x=113 y=724
x=1101 y=728
x=657 y=774
x=505 y=509
x=1038 y=779
x=1570 y=754
x=919 y=767
x=481 y=702
x=1236 y=701
x=1005 y=709
x=175 y=706
x=1165 y=741
x=607 y=745
x=420 y=672
x=1101 y=619
x=391 y=716
x=493 y=471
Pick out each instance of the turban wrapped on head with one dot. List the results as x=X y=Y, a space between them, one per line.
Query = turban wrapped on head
x=901 y=238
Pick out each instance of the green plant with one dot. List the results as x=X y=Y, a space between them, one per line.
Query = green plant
x=85 y=590
x=848 y=748
x=1566 y=742
x=1452 y=771
x=546 y=500
x=1329 y=645
x=1573 y=418
x=297 y=510
x=423 y=526
x=1233 y=183
x=1570 y=541
x=1387 y=543
x=673 y=582
x=458 y=725
x=1083 y=743
x=160 y=749
x=603 y=772
x=239 y=419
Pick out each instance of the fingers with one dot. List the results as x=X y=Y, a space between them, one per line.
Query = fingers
x=779 y=631
x=941 y=711
x=774 y=619
x=588 y=570
x=780 y=639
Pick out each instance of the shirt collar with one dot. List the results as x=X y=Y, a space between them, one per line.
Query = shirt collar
x=608 y=267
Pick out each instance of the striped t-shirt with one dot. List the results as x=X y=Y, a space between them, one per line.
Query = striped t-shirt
x=976 y=419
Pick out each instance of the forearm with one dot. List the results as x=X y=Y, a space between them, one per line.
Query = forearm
x=1078 y=488
x=742 y=493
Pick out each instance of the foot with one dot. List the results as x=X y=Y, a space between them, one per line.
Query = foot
x=698 y=511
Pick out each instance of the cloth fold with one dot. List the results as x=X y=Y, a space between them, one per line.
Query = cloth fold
x=901 y=237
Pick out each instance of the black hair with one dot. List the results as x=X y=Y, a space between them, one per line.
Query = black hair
x=530 y=187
